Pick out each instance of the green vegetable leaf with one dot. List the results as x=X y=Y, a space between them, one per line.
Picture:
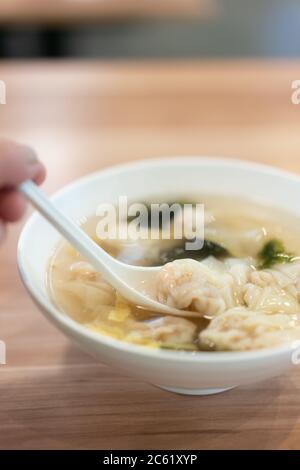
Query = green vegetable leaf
x=273 y=252
x=179 y=252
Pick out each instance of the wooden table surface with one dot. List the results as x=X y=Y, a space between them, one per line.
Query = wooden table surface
x=79 y=11
x=85 y=116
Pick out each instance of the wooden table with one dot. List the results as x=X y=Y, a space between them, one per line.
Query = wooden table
x=86 y=116
x=80 y=11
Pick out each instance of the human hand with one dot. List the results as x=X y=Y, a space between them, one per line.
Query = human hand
x=17 y=164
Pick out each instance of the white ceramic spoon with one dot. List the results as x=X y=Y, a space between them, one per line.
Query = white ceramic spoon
x=134 y=283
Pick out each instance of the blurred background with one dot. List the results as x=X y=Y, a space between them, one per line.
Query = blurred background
x=91 y=83
x=149 y=28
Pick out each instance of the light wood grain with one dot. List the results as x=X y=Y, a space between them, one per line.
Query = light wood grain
x=79 y=11
x=85 y=116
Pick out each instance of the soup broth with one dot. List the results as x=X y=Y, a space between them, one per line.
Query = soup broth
x=244 y=283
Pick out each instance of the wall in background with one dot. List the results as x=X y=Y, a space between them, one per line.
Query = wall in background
x=241 y=28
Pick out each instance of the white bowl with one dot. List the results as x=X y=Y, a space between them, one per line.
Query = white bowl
x=182 y=372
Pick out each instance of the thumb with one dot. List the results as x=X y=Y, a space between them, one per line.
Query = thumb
x=17 y=164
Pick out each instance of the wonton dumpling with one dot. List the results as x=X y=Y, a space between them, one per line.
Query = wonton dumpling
x=244 y=243
x=86 y=299
x=166 y=329
x=270 y=299
x=211 y=287
x=82 y=270
x=190 y=284
x=282 y=282
x=241 y=329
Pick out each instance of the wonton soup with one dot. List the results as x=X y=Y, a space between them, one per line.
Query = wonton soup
x=244 y=283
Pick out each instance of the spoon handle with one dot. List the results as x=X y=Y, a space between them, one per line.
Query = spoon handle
x=68 y=229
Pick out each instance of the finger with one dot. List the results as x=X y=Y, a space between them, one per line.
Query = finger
x=40 y=174
x=17 y=164
x=12 y=205
x=38 y=169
